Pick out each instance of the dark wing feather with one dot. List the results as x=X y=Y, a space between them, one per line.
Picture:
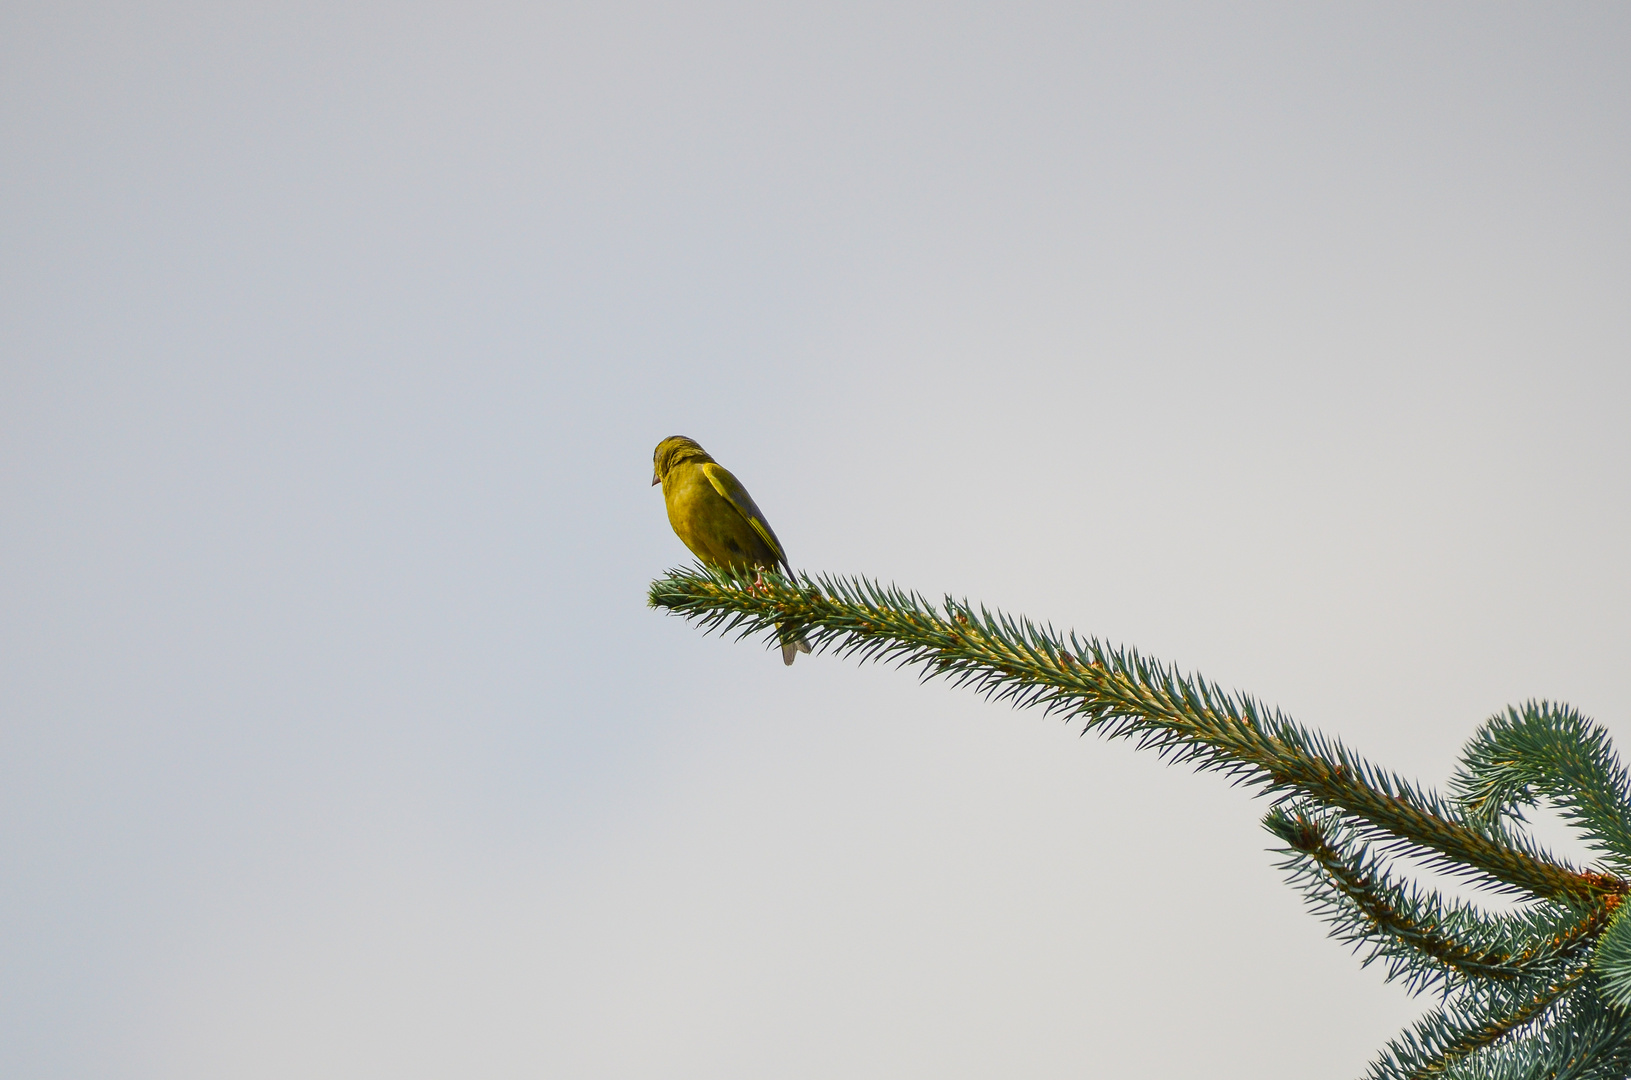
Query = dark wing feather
x=737 y=495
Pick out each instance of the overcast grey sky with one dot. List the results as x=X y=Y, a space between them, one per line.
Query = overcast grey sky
x=1291 y=344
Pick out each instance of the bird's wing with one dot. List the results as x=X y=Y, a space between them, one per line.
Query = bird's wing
x=737 y=495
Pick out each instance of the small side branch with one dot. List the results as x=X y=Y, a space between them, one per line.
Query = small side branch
x=1452 y=1034
x=1424 y=939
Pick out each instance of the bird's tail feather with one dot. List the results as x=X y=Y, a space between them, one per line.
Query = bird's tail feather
x=793 y=642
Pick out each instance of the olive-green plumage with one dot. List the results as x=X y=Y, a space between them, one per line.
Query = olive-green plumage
x=717 y=519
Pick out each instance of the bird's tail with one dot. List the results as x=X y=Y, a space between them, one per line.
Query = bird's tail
x=793 y=642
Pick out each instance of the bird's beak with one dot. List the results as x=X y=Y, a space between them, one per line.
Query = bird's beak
x=655 y=480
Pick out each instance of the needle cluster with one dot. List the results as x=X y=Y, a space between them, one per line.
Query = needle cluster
x=1540 y=990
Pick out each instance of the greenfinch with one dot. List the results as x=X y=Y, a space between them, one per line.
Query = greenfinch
x=717 y=519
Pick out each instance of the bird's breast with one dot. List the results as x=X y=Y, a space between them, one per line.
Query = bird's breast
x=708 y=524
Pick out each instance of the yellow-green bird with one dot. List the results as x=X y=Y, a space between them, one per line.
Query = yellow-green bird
x=716 y=517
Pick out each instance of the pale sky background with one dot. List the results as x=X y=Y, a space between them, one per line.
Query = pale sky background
x=1291 y=344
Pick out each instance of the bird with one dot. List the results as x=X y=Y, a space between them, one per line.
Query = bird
x=713 y=514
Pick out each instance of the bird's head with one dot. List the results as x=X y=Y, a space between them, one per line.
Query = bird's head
x=671 y=452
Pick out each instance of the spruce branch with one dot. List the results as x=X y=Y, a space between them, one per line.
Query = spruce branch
x=1424 y=939
x=1538 y=993
x=1542 y=750
x=1123 y=695
x=1474 y=1020
x=1612 y=960
x=1583 y=1041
